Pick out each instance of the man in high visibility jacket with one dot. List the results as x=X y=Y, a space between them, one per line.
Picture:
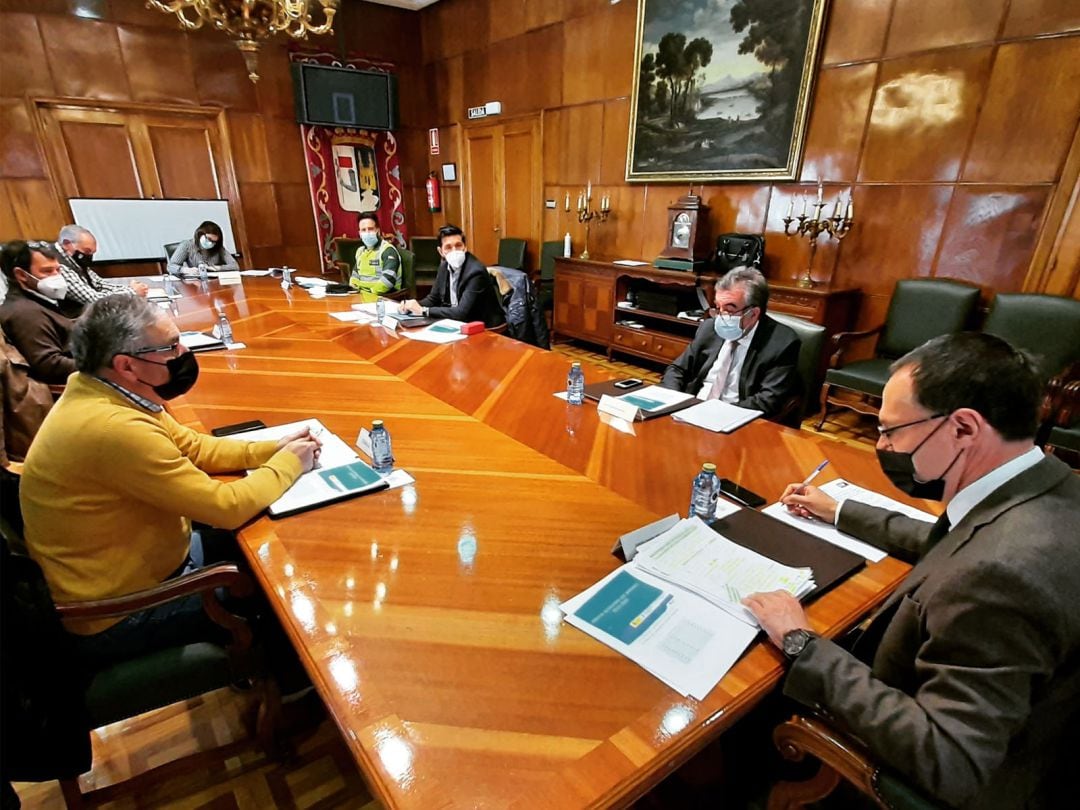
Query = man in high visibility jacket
x=378 y=263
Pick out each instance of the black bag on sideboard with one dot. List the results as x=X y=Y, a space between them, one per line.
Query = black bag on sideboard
x=738 y=250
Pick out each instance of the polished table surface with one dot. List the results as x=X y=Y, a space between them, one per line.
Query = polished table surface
x=428 y=616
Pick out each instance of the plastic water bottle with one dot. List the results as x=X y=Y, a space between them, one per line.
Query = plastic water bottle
x=575 y=385
x=380 y=308
x=204 y=275
x=224 y=326
x=167 y=284
x=704 y=494
x=382 y=456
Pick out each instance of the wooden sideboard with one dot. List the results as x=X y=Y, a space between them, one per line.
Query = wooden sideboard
x=591 y=304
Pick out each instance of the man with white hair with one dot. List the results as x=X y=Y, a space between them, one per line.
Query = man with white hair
x=77 y=246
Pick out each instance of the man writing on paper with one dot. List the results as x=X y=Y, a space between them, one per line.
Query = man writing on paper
x=378 y=263
x=967 y=680
x=77 y=246
x=739 y=355
x=463 y=289
x=112 y=481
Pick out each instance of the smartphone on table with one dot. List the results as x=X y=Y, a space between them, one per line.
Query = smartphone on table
x=742 y=495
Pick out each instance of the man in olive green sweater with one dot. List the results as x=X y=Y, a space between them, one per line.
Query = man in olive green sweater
x=112 y=482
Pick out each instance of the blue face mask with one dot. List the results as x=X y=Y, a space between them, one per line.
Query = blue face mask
x=369 y=239
x=728 y=328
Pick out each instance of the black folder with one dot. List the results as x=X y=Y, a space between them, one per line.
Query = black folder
x=790 y=546
x=597 y=390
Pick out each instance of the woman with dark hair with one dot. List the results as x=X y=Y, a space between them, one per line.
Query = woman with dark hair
x=205 y=248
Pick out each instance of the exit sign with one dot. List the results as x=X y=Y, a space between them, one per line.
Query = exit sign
x=478 y=112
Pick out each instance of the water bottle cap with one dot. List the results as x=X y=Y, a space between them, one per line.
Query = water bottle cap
x=575 y=365
x=708 y=467
x=376 y=423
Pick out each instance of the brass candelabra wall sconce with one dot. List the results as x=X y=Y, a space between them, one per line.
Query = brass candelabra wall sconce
x=837 y=226
x=586 y=213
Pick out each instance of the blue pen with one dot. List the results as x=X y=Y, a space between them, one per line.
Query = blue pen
x=813 y=475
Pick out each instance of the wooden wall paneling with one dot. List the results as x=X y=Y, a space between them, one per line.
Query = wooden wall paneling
x=22 y=69
x=618 y=25
x=523 y=185
x=896 y=235
x=184 y=161
x=509 y=18
x=989 y=235
x=476 y=83
x=552 y=133
x=543 y=67
x=219 y=73
x=261 y=214
x=221 y=146
x=924 y=111
x=19 y=155
x=482 y=188
x=143 y=152
x=787 y=256
x=581 y=145
x=249 y=153
x=422 y=222
x=1022 y=135
x=34 y=209
x=295 y=214
x=135 y=12
x=621 y=236
x=9 y=225
x=734 y=209
x=1031 y=17
x=84 y=58
x=451 y=96
x=102 y=159
x=584 y=60
x=412 y=96
x=837 y=123
x=158 y=65
x=920 y=26
x=1055 y=262
x=287 y=154
x=307 y=258
x=413 y=155
x=855 y=30
x=616 y=136
x=509 y=78
x=654 y=230
x=275 y=87
x=539 y=15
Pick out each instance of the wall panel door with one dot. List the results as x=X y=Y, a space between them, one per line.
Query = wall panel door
x=483 y=147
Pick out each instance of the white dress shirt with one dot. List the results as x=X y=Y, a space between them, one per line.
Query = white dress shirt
x=731 y=384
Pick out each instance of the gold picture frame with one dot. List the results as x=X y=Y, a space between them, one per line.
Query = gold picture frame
x=702 y=111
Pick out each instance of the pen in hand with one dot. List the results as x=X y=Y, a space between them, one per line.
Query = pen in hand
x=811 y=477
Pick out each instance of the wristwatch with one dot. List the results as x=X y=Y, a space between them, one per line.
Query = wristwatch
x=794 y=642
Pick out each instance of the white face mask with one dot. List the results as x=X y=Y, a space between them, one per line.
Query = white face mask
x=369 y=239
x=728 y=328
x=54 y=287
x=206 y=243
x=455 y=258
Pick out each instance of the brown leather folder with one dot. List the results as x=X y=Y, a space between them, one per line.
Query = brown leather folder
x=596 y=390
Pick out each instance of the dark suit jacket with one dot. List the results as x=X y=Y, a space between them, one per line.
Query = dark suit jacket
x=478 y=298
x=973 y=692
x=769 y=377
x=42 y=333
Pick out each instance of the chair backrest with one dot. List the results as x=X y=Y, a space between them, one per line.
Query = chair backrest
x=921 y=309
x=344 y=249
x=1048 y=326
x=512 y=253
x=170 y=249
x=427 y=258
x=812 y=341
x=549 y=251
x=408 y=270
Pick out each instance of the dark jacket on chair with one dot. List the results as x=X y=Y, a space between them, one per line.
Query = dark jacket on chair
x=769 y=377
x=478 y=299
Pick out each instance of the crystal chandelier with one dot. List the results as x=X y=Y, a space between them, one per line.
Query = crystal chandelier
x=249 y=22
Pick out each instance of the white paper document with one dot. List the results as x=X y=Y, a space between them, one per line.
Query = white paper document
x=675 y=635
x=716 y=415
x=200 y=342
x=353 y=316
x=255 y=273
x=445 y=331
x=654 y=397
x=629 y=262
x=843 y=490
x=341 y=472
x=229 y=277
x=392 y=307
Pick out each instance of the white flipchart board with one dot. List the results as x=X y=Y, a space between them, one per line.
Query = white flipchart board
x=139 y=229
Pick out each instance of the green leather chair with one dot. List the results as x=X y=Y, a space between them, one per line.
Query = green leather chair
x=1048 y=326
x=812 y=341
x=344 y=252
x=408 y=277
x=427 y=259
x=512 y=253
x=549 y=252
x=920 y=309
x=170 y=249
x=343 y=249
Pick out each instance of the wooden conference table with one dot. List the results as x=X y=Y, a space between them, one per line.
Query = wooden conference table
x=428 y=615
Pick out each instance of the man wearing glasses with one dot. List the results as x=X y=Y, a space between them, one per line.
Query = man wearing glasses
x=967 y=680
x=738 y=355
x=112 y=482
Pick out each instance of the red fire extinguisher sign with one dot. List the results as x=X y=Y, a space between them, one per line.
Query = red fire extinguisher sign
x=434 y=193
x=433 y=140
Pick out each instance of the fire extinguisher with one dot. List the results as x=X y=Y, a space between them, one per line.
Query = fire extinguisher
x=434 y=195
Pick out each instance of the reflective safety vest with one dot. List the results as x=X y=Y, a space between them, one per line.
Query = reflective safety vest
x=380 y=265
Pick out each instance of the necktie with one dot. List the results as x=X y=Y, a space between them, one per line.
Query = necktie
x=723 y=368
x=453 y=288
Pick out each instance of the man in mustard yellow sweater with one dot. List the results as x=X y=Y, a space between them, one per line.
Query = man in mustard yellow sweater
x=112 y=482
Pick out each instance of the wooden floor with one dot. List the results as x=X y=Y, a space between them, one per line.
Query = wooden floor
x=322 y=775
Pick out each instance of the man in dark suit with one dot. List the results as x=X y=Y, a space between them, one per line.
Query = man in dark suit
x=967 y=680
x=738 y=355
x=463 y=289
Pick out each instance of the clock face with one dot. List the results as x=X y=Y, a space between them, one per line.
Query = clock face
x=680 y=231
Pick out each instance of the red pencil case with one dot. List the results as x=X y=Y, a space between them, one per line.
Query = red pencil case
x=472 y=327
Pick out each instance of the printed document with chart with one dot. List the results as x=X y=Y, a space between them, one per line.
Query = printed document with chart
x=675 y=608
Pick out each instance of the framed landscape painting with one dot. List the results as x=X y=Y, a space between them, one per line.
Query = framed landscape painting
x=722 y=88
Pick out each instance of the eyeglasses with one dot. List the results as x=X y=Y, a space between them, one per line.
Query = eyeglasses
x=887 y=432
x=39 y=245
x=172 y=348
x=723 y=313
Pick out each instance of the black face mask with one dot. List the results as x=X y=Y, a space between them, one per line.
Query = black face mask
x=900 y=469
x=84 y=260
x=183 y=372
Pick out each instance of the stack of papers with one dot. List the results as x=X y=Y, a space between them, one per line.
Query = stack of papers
x=445 y=331
x=674 y=609
x=843 y=490
x=717 y=416
x=200 y=342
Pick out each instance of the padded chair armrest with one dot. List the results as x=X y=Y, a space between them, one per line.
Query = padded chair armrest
x=1061 y=402
x=842 y=342
x=801 y=735
x=398 y=295
x=1068 y=405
